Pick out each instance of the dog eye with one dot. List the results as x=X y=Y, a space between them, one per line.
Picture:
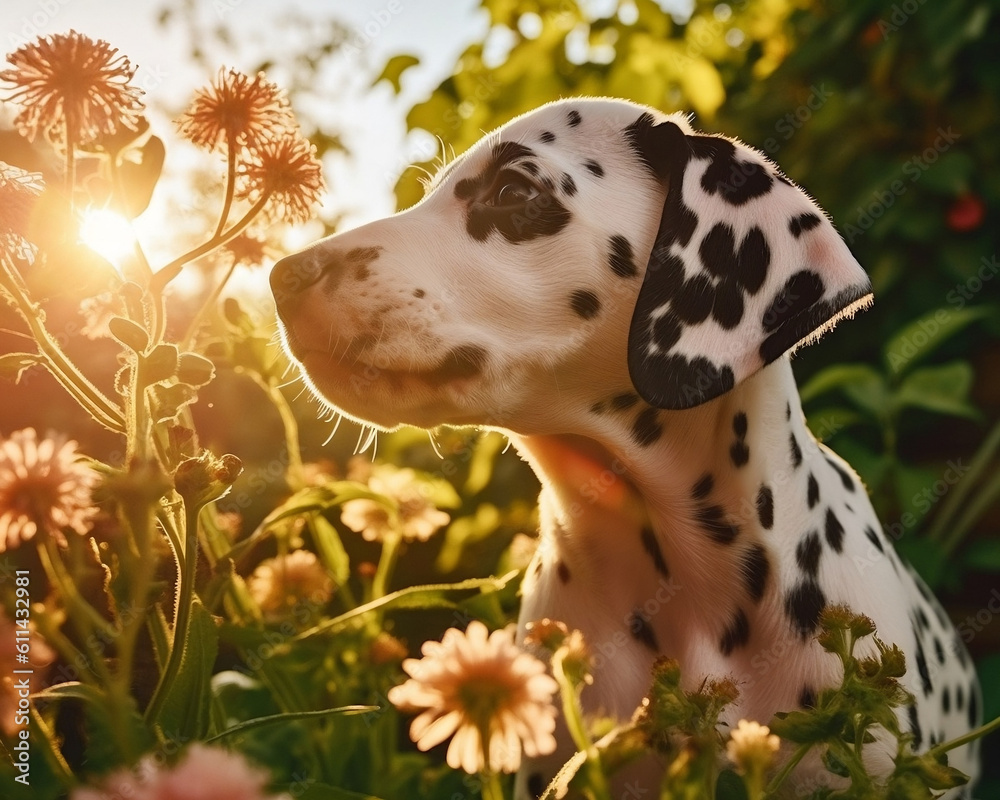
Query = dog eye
x=513 y=189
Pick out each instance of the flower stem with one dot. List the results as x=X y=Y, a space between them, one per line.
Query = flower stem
x=227 y=203
x=573 y=717
x=491 y=788
x=185 y=597
x=786 y=770
x=386 y=563
x=978 y=733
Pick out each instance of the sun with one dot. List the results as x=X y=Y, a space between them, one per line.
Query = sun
x=109 y=234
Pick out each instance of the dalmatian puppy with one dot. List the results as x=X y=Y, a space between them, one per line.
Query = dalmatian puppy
x=619 y=294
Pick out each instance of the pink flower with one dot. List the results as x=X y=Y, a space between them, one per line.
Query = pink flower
x=203 y=773
x=481 y=689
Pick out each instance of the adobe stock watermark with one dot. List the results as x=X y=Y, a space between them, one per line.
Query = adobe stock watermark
x=793 y=121
x=35 y=24
x=899 y=15
x=883 y=199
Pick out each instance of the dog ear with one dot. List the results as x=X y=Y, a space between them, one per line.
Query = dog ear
x=744 y=268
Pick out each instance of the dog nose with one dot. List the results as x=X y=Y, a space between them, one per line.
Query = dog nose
x=292 y=274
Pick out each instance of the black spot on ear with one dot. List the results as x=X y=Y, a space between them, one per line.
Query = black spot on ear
x=845 y=477
x=755 y=569
x=574 y=118
x=568 y=184
x=695 y=299
x=641 y=630
x=765 y=507
x=918 y=736
x=922 y=669
x=667 y=331
x=834 y=531
x=803 y=222
x=675 y=382
x=646 y=428
x=703 y=488
x=873 y=537
x=717 y=250
x=807 y=697
x=595 y=168
x=652 y=548
x=620 y=402
x=621 y=260
x=812 y=491
x=736 y=634
x=807 y=553
x=536 y=785
x=585 y=303
x=728 y=307
x=562 y=571
x=713 y=520
x=800 y=291
x=753 y=260
x=664 y=278
x=735 y=180
x=803 y=605
x=793 y=444
x=547 y=137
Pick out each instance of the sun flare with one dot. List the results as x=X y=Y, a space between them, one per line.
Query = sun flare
x=108 y=233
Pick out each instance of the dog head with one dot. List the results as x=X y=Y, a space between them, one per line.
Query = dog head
x=583 y=249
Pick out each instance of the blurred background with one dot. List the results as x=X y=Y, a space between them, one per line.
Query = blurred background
x=888 y=113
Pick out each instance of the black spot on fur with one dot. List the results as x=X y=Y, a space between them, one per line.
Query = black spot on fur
x=713 y=520
x=845 y=477
x=641 y=630
x=673 y=381
x=646 y=429
x=788 y=411
x=598 y=408
x=620 y=402
x=739 y=453
x=918 y=736
x=807 y=697
x=468 y=187
x=562 y=571
x=666 y=277
x=922 y=620
x=922 y=668
x=834 y=531
x=703 y=488
x=946 y=700
x=418 y=293
x=574 y=118
x=793 y=444
x=740 y=424
x=765 y=507
x=595 y=168
x=803 y=222
x=938 y=650
x=530 y=167
x=694 y=300
x=621 y=260
x=547 y=137
x=800 y=291
x=807 y=553
x=874 y=538
x=736 y=634
x=585 y=303
x=973 y=709
x=803 y=605
x=755 y=569
x=959 y=697
x=812 y=491
x=737 y=181
x=652 y=548
x=728 y=307
x=667 y=331
x=568 y=184
x=536 y=785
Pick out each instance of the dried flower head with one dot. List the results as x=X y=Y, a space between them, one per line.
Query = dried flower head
x=203 y=773
x=43 y=486
x=287 y=173
x=491 y=697
x=752 y=746
x=298 y=578
x=248 y=249
x=235 y=110
x=417 y=518
x=19 y=191
x=69 y=84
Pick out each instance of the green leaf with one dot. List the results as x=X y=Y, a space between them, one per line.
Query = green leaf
x=331 y=548
x=394 y=69
x=942 y=389
x=825 y=423
x=730 y=786
x=185 y=713
x=465 y=531
x=13 y=365
x=291 y=716
x=924 y=335
x=484 y=455
x=842 y=376
x=323 y=791
x=983 y=555
x=440 y=595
